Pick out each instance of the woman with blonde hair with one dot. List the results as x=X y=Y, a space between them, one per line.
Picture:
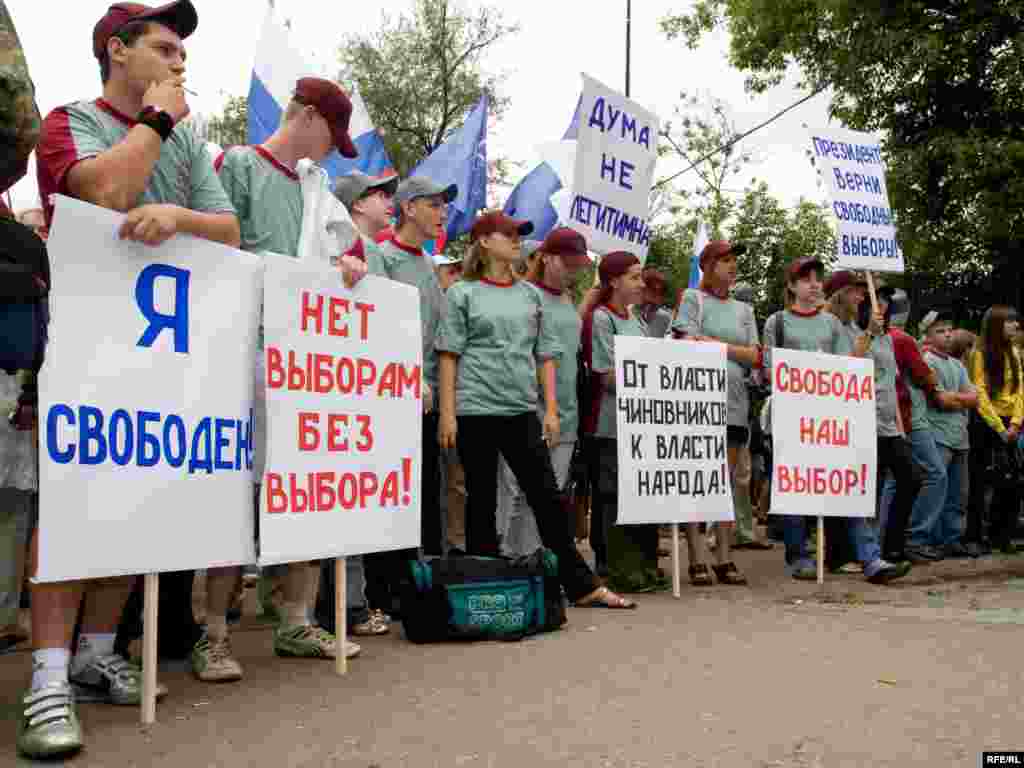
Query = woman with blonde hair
x=495 y=336
x=553 y=267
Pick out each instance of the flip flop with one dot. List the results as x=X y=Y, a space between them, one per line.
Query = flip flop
x=605 y=598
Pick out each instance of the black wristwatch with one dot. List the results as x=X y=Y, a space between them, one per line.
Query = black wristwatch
x=158 y=120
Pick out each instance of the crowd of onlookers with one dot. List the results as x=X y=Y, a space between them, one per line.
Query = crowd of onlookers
x=519 y=392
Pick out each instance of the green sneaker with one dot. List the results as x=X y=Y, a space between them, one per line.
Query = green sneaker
x=212 y=661
x=266 y=589
x=309 y=642
x=111 y=680
x=49 y=724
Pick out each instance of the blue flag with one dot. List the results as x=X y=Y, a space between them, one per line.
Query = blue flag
x=531 y=199
x=462 y=160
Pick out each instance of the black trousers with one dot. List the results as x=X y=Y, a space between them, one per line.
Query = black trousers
x=384 y=571
x=1002 y=514
x=894 y=456
x=603 y=466
x=519 y=440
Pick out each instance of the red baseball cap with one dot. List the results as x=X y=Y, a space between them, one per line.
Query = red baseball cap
x=615 y=264
x=718 y=249
x=498 y=221
x=569 y=244
x=180 y=16
x=800 y=267
x=335 y=106
x=842 y=279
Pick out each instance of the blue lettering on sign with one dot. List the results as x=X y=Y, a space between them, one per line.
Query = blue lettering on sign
x=618 y=171
x=618 y=122
x=840 y=150
x=871 y=247
x=610 y=220
x=144 y=297
x=147 y=439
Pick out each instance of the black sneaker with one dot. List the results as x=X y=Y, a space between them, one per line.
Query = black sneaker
x=958 y=550
x=889 y=572
x=921 y=555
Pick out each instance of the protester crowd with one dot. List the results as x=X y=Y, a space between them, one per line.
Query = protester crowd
x=518 y=386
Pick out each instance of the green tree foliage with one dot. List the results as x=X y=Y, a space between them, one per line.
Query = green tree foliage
x=775 y=236
x=698 y=127
x=421 y=73
x=944 y=81
x=231 y=127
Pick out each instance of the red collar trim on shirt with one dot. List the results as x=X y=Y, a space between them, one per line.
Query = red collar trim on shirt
x=498 y=283
x=936 y=352
x=403 y=247
x=624 y=314
x=265 y=154
x=109 y=108
x=358 y=250
x=552 y=291
x=804 y=313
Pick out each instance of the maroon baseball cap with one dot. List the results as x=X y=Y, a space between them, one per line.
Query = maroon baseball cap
x=718 y=249
x=498 y=221
x=335 y=106
x=569 y=244
x=842 y=279
x=800 y=267
x=180 y=16
x=615 y=264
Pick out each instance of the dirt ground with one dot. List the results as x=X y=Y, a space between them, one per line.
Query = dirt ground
x=781 y=674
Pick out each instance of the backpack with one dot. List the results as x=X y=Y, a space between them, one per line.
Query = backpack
x=24 y=285
x=468 y=597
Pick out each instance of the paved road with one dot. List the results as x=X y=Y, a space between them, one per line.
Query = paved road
x=779 y=674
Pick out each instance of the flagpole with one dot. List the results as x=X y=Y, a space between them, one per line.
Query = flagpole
x=629 y=23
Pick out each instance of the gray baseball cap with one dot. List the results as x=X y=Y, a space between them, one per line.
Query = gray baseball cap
x=420 y=186
x=352 y=186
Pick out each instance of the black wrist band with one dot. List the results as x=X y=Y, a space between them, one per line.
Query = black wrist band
x=158 y=120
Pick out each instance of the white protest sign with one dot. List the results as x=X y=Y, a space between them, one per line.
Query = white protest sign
x=145 y=402
x=823 y=434
x=614 y=171
x=671 y=431
x=344 y=415
x=852 y=166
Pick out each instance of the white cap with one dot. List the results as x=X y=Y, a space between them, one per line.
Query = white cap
x=440 y=260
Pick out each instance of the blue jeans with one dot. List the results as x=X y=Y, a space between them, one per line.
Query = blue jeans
x=931 y=498
x=950 y=527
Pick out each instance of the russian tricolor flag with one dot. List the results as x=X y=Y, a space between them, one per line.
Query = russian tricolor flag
x=278 y=66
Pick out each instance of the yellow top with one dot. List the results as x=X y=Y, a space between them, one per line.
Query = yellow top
x=1009 y=404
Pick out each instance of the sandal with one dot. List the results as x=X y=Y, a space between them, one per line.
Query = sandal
x=700 y=576
x=728 y=573
x=602 y=597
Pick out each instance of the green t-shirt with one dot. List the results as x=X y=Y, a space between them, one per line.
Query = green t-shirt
x=820 y=332
x=730 y=322
x=950 y=426
x=883 y=353
x=566 y=322
x=268 y=198
x=499 y=331
x=183 y=174
x=413 y=267
x=607 y=325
